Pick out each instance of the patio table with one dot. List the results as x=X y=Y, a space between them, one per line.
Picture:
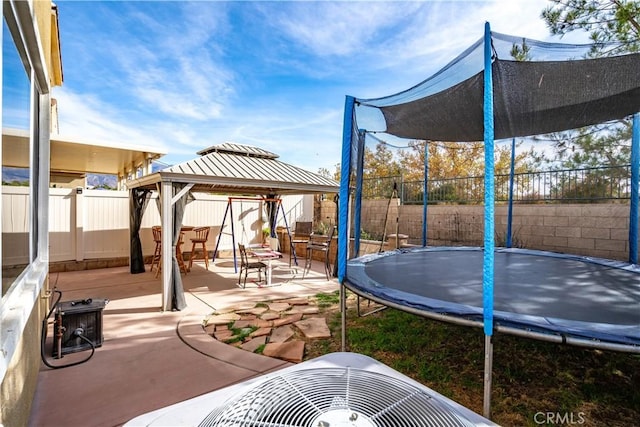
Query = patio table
x=265 y=254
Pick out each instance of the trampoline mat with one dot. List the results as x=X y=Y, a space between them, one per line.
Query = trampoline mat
x=528 y=285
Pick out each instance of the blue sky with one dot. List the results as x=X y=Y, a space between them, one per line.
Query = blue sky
x=183 y=76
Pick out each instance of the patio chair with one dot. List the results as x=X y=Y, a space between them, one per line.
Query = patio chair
x=202 y=234
x=157 y=252
x=246 y=266
x=301 y=235
x=319 y=244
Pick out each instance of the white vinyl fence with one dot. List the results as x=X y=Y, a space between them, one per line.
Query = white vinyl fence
x=94 y=224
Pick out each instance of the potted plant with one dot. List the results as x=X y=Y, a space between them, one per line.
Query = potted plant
x=266 y=233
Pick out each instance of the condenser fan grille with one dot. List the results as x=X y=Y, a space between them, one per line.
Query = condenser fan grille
x=326 y=397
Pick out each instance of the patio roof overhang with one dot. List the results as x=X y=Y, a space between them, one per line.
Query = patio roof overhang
x=77 y=156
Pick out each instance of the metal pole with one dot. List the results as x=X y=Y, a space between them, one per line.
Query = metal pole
x=286 y=225
x=425 y=197
x=358 y=194
x=635 y=190
x=233 y=237
x=343 y=312
x=224 y=219
x=488 y=369
x=511 y=179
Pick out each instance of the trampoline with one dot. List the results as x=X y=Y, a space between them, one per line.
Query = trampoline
x=548 y=296
x=486 y=94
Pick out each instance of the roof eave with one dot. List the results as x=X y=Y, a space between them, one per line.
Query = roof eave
x=230 y=184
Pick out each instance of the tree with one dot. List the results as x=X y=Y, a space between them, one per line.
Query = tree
x=614 y=29
x=591 y=146
x=450 y=160
x=456 y=159
x=521 y=53
x=605 y=21
x=380 y=162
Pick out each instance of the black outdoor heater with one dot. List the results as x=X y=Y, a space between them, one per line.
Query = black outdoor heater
x=77 y=326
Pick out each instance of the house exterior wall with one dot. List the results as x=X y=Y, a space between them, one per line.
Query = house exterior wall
x=23 y=304
x=19 y=384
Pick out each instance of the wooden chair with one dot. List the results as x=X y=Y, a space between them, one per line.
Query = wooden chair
x=301 y=235
x=320 y=244
x=157 y=252
x=246 y=266
x=202 y=234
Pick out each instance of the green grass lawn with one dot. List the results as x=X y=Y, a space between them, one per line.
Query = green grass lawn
x=530 y=378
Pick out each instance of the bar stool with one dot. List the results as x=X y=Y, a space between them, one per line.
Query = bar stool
x=157 y=252
x=202 y=234
x=157 y=255
x=181 y=264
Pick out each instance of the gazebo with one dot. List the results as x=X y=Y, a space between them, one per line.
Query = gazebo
x=229 y=168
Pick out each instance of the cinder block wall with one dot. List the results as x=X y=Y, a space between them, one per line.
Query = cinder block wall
x=599 y=230
x=325 y=211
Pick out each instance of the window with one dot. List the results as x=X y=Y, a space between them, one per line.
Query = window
x=17 y=151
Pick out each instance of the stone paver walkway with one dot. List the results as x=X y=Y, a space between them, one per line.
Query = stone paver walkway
x=270 y=328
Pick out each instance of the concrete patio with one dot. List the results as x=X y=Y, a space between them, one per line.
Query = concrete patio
x=150 y=359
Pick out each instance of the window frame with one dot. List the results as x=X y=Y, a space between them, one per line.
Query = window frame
x=18 y=303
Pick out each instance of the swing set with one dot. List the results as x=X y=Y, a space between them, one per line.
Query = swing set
x=273 y=219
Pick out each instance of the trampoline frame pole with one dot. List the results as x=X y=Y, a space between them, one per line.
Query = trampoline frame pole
x=489 y=212
x=345 y=175
x=358 y=192
x=343 y=320
x=511 y=179
x=425 y=197
x=635 y=190
x=488 y=369
x=344 y=200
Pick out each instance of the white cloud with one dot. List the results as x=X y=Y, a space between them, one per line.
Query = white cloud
x=440 y=31
x=342 y=28
x=178 y=74
x=176 y=104
x=88 y=118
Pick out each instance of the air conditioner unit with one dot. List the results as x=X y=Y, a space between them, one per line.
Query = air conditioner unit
x=338 y=389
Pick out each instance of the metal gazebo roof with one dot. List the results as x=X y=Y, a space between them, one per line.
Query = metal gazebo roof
x=232 y=168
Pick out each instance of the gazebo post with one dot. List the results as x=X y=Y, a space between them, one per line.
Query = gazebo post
x=167 y=237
